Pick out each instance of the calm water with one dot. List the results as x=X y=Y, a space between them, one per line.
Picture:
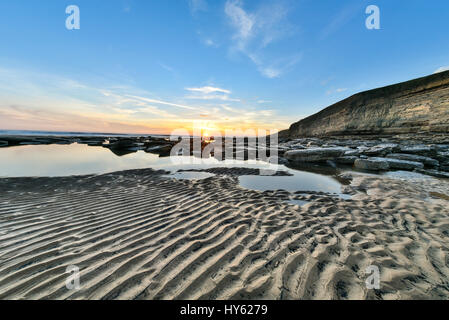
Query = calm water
x=190 y=175
x=300 y=181
x=70 y=134
x=79 y=159
x=298 y=202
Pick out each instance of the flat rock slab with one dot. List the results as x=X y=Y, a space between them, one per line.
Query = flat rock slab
x=420 y=150
x=347 y=159
x=415 y=158
x=371 y=164
x=381 y=150
x=401 y=164
x=434 y=173
x=315 y=154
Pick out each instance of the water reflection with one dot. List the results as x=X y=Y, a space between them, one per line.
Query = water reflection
x=299 y=181
x=191 y=175
x=66 y=160
x=298 y=202
x=81 y=159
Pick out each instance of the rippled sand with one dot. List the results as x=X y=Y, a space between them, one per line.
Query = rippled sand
x=138 y=235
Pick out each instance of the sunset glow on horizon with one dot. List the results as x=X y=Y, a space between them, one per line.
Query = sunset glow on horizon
x=152 y=67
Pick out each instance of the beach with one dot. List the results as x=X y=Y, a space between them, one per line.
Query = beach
x=218 y=158
x=139 y=234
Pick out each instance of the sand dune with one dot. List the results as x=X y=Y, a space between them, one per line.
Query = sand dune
x=138 y=235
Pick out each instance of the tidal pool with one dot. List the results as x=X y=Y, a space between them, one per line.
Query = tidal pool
x=80 y=159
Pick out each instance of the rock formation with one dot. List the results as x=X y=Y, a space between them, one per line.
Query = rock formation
x=420 y=105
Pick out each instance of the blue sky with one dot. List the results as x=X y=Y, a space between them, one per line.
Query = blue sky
x=149 y=66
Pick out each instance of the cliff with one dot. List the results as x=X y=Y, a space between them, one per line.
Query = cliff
x=419 y=105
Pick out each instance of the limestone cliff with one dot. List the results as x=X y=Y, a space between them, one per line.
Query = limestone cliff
x=420 y=105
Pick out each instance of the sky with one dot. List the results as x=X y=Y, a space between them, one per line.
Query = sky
x=151 y=66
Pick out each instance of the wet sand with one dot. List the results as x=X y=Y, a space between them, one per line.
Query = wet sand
x=139 y=235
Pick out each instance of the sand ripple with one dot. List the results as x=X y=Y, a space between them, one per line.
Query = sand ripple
x=137 y=235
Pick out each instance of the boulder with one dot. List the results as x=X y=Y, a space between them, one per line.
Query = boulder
x=347 y=160
x=315 y=154
x=415 y=158
x=162 y=149
x=401 y=164
x=3 y=144
x=371 y=164
x=124 y=143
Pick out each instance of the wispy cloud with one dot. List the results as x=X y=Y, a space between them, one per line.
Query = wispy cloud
x=163 y=102
x=338 y=90
x=212 y=97
x=441 y=69
x=276 y=67
x=38 y=101
x=242 y=21
x=210 y=93
x=208 y=90
x=210 y=43
x=164 y=66
x=341 y=18
x=197 y=6
x=255 y=31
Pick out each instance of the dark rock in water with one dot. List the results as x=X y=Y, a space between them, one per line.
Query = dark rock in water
x=34 y=140
x=156 y=142
x=159 y=149
x=15 y=140
x=122 y=152
x=347 y=160
x=434 y=173
x=415 y=158
x=315 y=154
x=3 y=144
x=122 y=144
x=401 y=164
x=63 y=142
x=93 y=142
x=371 y=164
